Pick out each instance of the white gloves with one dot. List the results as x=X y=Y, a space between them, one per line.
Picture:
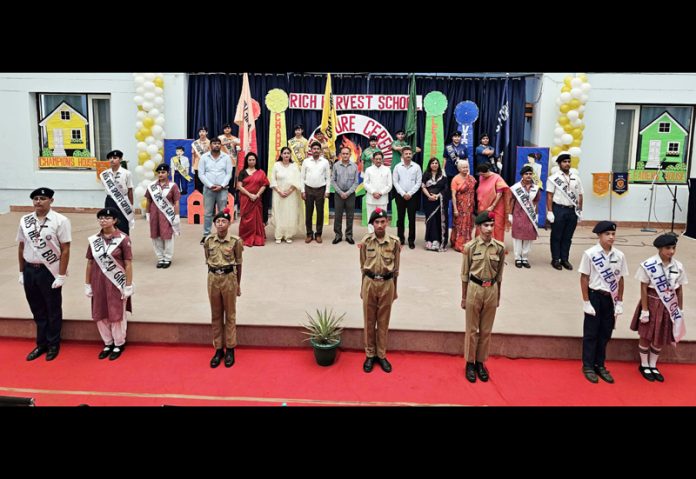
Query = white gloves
x=88 y=290
x=500 y=166
x=58 y=282
x=127 y=292
x=550 y=217
x=644 y=316
x=579 y=215
x=510 y=218
x=21 y=278
x=618 y=308
x=588 y=308
x=177 y=219
x=147 y=217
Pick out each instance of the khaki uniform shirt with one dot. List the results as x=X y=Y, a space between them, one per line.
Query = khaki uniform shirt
x=380 y=256
x=485 y=261
x=223 y=252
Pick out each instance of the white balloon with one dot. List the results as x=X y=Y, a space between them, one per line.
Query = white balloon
x=572 y=115
x=575 y=83
x=140 y=90
x=583 y=98
x=158 y=158
x=149 y=86
x=586 y=87
x=154 y=112
x=150 y=140
x=147 y=106
x=149 y=165
x=558 y=101
x=576 y=92
x=149 y=76
x=138 y=125
x=557 y=141
x=581 y=108
x=152 y=149
x=558 y=131
x=138 y=99
x=141 y=115
x=159 y=91
x=139 y=170
x=149 y=96
x=567 y=139
x=158 y=101
x=574 y=151
x=149 y=174
x=139 y=191
x=139 y=79
x=157 y=131
x=144 y=183
x=142 y=146
x=565 y=97
x=160 y=120
x=576 y=123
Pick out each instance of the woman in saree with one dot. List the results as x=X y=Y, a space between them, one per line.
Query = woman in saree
x=492 y=195
x=251 y=184
x=288 y=217
x=463 y=205
x=435 y=197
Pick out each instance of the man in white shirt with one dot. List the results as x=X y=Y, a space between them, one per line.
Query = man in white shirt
x=315 y=185
x=564 y=210
x=124 y=181
x=378 y=183
x=408 y=178
x=44 y=251
x=602 y=270
x=214 y=171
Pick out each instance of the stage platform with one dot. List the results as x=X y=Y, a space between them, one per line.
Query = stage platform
x=540 y=313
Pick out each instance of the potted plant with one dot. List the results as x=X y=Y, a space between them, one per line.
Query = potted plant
x=324 y=331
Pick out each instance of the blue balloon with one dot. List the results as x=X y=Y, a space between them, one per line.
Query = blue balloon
x=466 y=112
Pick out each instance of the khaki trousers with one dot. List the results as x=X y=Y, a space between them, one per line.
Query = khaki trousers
x=222 y=293
x=378 y=296
x=481 y=305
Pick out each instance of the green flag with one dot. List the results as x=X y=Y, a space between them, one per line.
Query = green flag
x=410 y=129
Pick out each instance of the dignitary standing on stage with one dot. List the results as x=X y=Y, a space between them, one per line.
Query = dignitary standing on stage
x=564 y=210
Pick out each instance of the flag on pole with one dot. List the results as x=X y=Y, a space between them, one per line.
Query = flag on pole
x=411 y=128
x=246 y=120
x=502 y=129
x=328 y=118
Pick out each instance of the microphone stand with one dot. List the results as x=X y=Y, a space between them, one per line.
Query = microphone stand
x=675 y=204
x=648 y=229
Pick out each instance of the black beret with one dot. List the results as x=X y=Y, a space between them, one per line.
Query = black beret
x=455 y=133
x=107 y=212
x=162 y=167
x=223 y=214
x=526 y=169
x=484 y=217
x=299 y=127
x=47 y=192
x=378 y=213
x=373 y=138
x=400 y=131
x=604 y=226
x=667 y=239
x=114 y=154
x=562 y=157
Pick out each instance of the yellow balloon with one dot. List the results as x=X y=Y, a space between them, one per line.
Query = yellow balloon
x=567 y=80
x=140 y=108
x=565 y=108
x=576 y=143
x=145 y=132
x=142 y=161
x=574 y=162
x=577 y=133
x=143 y=203
x=568 y=127
x=556 y=150
x=563 y=120
x=143 y=155
x=565 y=89
x=139 y=136
x=148 y=122
x=583 y=78
x=574 y=104
x=582 y=127
x=159 y=82
x=161 y=151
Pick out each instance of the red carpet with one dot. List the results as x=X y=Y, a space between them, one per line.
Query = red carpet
x=155 y=375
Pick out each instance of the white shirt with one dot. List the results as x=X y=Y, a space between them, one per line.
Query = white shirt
x=54 y=225
x=558 y=196
x=407 y=179
x=377 y=180
x=184 y=162
x=315 y=173
x=618 y=266
x=213 y=171
x=124 y=179
x=674 y=272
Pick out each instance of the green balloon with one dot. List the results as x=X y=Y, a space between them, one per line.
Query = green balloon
x=435 y=103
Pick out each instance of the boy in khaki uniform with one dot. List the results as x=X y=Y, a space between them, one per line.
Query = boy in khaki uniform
x=482 y=275
x=223 y=254
x=379 y=265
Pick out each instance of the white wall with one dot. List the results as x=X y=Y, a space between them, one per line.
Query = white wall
x=19 y=132
x=608 y=89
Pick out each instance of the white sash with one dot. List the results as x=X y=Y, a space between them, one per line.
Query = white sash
x=602 y=264
x=565 y=189
x=199 y=148
x=452 y=152
x=180 y=168
x=111 y=269
x=666 y=293
x=159 y=197
x=526 y=201
x=46 y=247
x=112 y=188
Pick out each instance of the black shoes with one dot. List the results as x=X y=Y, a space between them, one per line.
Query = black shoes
x=203 y=240
x=215 y=361
x=386 y=365
x=566 y=264
x=470 y=372
x=556 y=263
x=160 y=264
x=518 y=263
x=38 y=351
x=106 y=351
x=337 y=240
x=52 y=353
x=656 y=374
x=369 y=364
x=590 y=375
x=526 y=264
x=646 y=373
x=402 y=240
x=229 y=357
x=412 y=245
x=603 y=373
x=350 y=240
x=166 y=264
x=482 y=371
x=116 y=352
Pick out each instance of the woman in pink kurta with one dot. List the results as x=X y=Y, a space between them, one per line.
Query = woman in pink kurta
x=523 y=231
x=463 y=189
x=251 y=185
x=109 y=302
x=161 y=230
x=492 y=195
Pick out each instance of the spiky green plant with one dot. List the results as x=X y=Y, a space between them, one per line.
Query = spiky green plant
x=324 y=327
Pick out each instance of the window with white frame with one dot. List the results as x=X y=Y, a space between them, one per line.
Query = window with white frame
x=76 y=136
x=673 y=148
x=665 y=127
x=65 y=115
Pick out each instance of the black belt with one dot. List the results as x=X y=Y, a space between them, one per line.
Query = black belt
x=34 y=265
x=481 y=282
x=225 y=270
x=564 y=206
x=600 y=291
x=384 y=277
